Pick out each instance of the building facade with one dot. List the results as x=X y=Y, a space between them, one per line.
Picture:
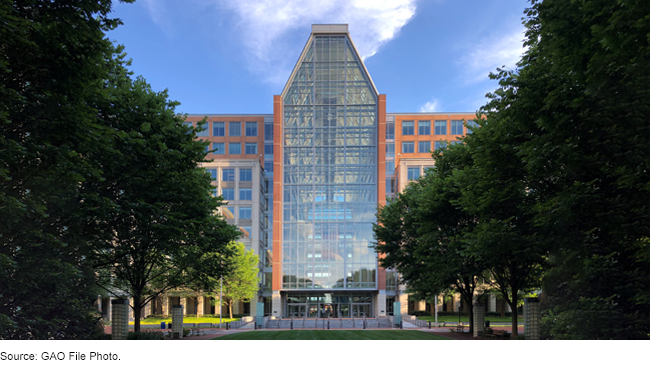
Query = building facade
x=303 y=185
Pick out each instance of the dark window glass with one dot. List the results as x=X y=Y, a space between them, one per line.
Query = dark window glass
x=413 y=173
x=424 y=127
x=234 y=129
x=440 y=144
x=456 y=127
x=228 y=193
x=441 y=127
x=408 y=147
x=408 y=128
x=268 y=131
x=245 y=212
x=424 y=146
x=228 y=175
x=245 y=194
x=268 y=166
x=268 y=149
x=219 y=148
x=251 y=148
x=390 y=130
x=471 y=123
x=390 y=150
x=390 y=167
x=218 y=129
x=245 y=175
x=213 y=174
x=234 y=148
x=251 y=129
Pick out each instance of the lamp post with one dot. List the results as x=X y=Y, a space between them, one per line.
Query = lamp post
x=220 y=303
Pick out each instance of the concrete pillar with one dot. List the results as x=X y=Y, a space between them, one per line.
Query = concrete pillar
x=479 y=319
x=165 y=305
x=184 y=305
x=254 y=304
x=420 y=306
x=404 y=304
x=381 y=304
x=201 y=307
x=109 y=310
x=131 y=314
x=98 y=303
x=493 y=304
x=147 y=309
x=276 y=302
x=177 y=321
x=531 y=318
x=235 y=307
x=120 y=322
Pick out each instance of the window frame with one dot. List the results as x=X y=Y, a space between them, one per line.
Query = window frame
x=420 y=144
x=231 y=129
x=222 y=129
x=440 y=128
x=250 y=144
x=408 y=143
x=428 y=127
x=411 y=129
x=230 y=148
x=253 y=129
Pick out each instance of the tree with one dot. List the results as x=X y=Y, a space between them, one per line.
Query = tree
x=161 y=231
x=574 y=115
x=421 y=232
x=51 y=69
x=241 y=282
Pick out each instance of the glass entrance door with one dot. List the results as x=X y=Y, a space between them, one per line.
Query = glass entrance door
x=360 y=310
x=313 y=311
x=297 y=310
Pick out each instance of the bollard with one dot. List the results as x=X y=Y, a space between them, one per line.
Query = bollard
x=227 y=326
x=429 y=324
x=401 y=324
x=328 y=324
x=292 y=324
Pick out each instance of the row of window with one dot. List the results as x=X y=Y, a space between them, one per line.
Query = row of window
x=423 y=146
x=234 y=129
x=424 y=127
x=234 y=148
x=229 y=193
x=244 y=212
x=229 y=174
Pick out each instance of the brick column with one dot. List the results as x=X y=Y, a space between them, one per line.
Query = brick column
x=479 y=319
x=120 y=316
x=276 y=302
x=177 y=321
x=531 y=318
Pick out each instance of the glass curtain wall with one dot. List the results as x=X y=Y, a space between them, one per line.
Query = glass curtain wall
x=330 y=171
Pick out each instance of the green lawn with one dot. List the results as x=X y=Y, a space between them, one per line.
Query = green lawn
x=185 y=320
x=466 y=319
x=333 y=335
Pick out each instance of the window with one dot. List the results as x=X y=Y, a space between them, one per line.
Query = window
x=471 y=123
x=251 y=129
x=408 y=147
x=245 y=213
x=214 y=190
x=390 y=150
x=456 y=127
x=228 y=212
x=204 y=132
x=219 y=148
x=234 y=148
x=268 y=131
x=389 y=186
x=424 y=127
x=245 y=175
x=189 y=124
x=441 y=127
x=455 y=142
x=228 y=175
x=268 y=149
x=440 y=144
x=245 y=231
x=268 y=166
x=228 y=193
x=390 y=167
x=413 y=173
x=251 y=148
x=218 y=129
x=245 y=194
x=213 y=174
x=390 y=130
x=408 y=128
x=234 y=129
x=424 y=146
x=207 y=149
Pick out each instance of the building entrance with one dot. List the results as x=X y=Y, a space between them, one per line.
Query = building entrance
x=328 y=305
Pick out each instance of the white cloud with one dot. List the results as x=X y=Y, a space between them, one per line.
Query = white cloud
x=493 y=52
x=431 y=106
x=267 y=27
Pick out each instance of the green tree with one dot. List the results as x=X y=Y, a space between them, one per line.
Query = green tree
x=51 y=69
x=241 y=282
x=161 y=232
x=574 y=114
x=421 y=232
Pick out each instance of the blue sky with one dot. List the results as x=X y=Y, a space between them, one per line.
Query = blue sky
x=232 y=56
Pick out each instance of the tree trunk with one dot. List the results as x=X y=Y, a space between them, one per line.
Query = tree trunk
x=513 y=306
x=230 y=309
x=137 y=310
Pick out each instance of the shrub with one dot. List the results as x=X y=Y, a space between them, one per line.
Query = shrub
x=419 y=313
x=145 y=335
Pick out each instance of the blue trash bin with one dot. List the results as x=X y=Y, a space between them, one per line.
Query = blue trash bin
x=162 y=325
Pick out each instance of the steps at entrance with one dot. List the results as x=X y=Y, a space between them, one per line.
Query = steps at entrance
x=357 y=323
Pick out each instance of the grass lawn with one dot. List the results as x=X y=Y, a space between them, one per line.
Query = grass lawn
x=333 y=335
x=185 y=320
x=466 y=319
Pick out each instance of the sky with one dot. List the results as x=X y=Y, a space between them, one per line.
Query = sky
x=232 y=56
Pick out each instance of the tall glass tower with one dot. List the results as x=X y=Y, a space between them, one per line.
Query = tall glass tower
x=326 y=124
